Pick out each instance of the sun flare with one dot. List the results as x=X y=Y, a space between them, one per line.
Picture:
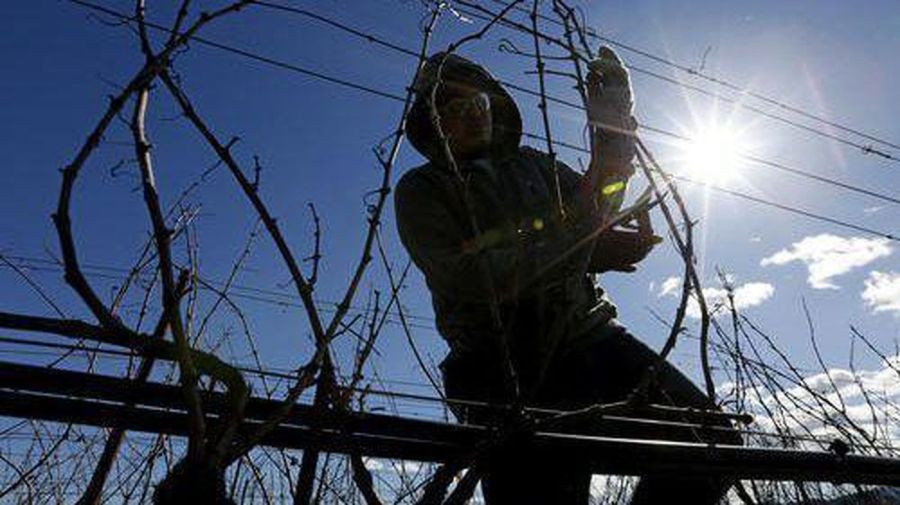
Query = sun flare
x=712 y=155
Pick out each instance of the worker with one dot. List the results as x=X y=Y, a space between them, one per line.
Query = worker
x=510 y=241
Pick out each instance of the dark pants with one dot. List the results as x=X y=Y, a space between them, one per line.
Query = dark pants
x=601 y=372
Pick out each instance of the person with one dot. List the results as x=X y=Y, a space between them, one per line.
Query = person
x=499 y=232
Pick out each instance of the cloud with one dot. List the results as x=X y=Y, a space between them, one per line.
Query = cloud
x=873 y=210
x=882 y=293
x=746 y=295
x=669 y=286
x=867 y=398
x=827 y=256
x=407 y=467
x=603 y=487
x=393 y=466
x=373 y=465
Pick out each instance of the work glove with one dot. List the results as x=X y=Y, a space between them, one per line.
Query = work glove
x=610 y=109
x=620 y=250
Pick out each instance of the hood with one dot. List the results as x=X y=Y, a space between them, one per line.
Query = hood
x=507 y=122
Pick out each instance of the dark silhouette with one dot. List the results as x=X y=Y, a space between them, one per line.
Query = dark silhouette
x=505 y=236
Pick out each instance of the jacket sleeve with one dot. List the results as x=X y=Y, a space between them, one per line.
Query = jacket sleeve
x=445 y=251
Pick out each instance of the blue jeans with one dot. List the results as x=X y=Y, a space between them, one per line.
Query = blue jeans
x=606 y=370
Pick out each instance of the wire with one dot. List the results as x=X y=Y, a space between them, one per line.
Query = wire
x=273 y=373
x=474 y=403
x=388 y=95
x=282 y=299
x=718 y=81
x=246 y=54
x=785 y=168
x=293 y=302
x=375 y=39
x=268 y=372
x=788 y=208
x=26 y=263
x=783 y=207
x=380 y=41
x=284 y=375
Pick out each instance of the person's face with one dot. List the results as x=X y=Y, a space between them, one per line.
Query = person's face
x=466 y=121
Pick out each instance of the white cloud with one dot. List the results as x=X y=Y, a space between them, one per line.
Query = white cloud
x=603 y=487
x=394 y=466
x=752 y=294
x=669 y=286
x=373 y=465
x=827 y=256
x=874 y=209
x=746 y=295
x=867 y=398
x=407 y=467
x=882 y=293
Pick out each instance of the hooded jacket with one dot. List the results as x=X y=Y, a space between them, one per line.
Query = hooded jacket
x=519 y=257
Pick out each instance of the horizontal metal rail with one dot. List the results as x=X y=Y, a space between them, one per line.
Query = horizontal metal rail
x=95 y=400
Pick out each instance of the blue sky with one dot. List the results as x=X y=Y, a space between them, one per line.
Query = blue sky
x=314 y=140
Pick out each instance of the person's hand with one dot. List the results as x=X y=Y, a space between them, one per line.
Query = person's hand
x=609 y=91
x=620 y=250
x=610 y=107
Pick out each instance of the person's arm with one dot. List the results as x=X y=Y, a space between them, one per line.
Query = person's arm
x=610 y=115
x=609 y=109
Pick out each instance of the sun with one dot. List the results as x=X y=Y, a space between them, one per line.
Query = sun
x=712 y=155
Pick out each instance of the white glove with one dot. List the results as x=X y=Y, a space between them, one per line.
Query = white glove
x=610 y=106
x=609 y=91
